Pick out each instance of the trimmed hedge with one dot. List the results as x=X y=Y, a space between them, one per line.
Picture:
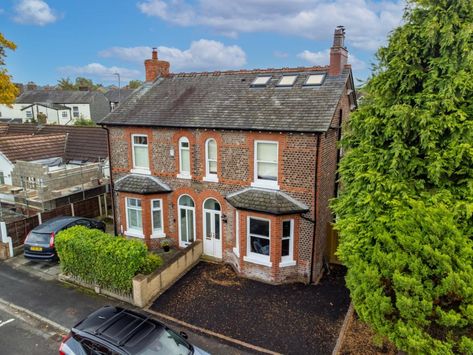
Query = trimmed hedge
x=102 y=259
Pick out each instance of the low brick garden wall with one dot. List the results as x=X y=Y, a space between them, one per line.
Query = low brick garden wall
x=145 y=288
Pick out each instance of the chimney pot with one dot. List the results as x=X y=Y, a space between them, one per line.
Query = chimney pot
x=338 y=52
x=155 y=68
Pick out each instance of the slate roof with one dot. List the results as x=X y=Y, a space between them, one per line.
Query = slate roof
x=226 y=100
x=267 y=201
x=112 y=94
x=58 y=96
x=141 y=184
x=31 y=148
x=99 y=105
x=83 y=143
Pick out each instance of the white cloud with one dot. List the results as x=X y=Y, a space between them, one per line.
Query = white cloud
x=367 y=22
x=102 y=72
x=201 y=55
x=34 y=12
x=323 y=58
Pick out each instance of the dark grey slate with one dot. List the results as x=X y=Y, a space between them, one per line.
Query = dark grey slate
x=141 y=184
x=226 y=100
x=267 y=201
x=113 y=94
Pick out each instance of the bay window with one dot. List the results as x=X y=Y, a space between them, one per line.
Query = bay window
x=258 y=241
x=134 y=222
x=287 y=243
x=157 y=218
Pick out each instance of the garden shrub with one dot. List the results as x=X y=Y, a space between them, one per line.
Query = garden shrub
x=102 y=259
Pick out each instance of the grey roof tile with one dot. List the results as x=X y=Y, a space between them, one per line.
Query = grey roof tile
x=267 y=201
x=226 y=100
x=141 y=184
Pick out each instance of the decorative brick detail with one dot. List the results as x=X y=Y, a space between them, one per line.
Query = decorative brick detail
x=296 y=166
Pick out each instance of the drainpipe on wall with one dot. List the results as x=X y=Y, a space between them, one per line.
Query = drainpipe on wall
x=112 y=194
x=315 y=209
x=5 y=238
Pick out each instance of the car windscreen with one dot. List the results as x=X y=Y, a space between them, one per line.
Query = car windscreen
x=39 y=238
x=161 y=341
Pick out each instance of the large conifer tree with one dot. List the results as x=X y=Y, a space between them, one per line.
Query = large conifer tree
x=405 y=216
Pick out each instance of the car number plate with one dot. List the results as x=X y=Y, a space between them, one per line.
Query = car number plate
x=36 y=248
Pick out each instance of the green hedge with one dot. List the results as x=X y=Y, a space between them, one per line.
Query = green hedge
x=102 y=259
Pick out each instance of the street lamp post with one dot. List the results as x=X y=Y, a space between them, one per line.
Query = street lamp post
x=118 y=76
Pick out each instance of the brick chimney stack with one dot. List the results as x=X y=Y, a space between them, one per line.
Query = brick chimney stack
x=338 y=52
x=155 y=68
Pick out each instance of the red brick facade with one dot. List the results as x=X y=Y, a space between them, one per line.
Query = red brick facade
x=297 y=157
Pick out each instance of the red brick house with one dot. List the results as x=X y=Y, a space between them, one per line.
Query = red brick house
x=243 y=160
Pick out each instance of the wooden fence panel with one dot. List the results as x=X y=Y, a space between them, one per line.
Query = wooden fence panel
x=87 y=208
x=18 y=230
x=60 y=211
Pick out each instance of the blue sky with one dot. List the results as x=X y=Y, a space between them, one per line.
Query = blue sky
x=95 y=38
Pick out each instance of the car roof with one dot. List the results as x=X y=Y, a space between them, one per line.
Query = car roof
x=119 y=326
x=55 y=224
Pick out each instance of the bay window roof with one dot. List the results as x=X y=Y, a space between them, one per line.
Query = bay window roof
x=141 y=184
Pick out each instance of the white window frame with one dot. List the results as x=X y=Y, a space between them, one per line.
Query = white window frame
x=184 y=174
x=254 y=257
x=288 y=260
x=236 y=249
x=268 y=184
x=139 y=169
x=64 y=114
x=132 y=231
x=156 y=233
x=188 y=208
x=75 y=112
x=213 y=177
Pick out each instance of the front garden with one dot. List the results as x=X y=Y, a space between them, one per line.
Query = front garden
x=102 y=260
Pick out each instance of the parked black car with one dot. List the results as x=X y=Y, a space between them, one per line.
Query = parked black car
x=39 y=243
x=119 y=331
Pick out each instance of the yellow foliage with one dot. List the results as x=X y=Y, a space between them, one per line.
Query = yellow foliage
x=8 y=91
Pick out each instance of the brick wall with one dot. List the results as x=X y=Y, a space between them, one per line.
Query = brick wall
x=235 y=149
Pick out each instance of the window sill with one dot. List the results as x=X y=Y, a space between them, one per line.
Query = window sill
x=255 y=260
x=287 y=263
x=184 y=176
x=140 y=171
x=265 y=185
x=236 y=252
x=210 y=178
x=134 y=233
x=158 y=235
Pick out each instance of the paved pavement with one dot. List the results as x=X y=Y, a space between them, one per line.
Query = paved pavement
x=65 y=305
x=45 y=270
x=22 y=334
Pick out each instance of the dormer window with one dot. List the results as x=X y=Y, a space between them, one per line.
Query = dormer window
x=287 y=81
x=140 y=153
x=261 y=81
x=314 y=80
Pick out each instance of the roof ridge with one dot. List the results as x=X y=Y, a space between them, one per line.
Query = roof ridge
x=252 y=71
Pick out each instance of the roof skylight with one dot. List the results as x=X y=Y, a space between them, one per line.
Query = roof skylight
x=261 y=80
x=314 y=79
x=287 y=80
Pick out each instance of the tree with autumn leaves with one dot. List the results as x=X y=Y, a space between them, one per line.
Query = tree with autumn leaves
x=405 y=216
x=8 y=91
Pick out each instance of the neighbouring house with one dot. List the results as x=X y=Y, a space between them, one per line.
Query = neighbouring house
x=243 y=160
x=115 y=96
x=44 y=167
x=62 y=107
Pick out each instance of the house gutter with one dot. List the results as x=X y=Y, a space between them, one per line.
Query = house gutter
x=112 y=189
x=315 y=209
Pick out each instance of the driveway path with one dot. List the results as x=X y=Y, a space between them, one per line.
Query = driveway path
x=290 y=319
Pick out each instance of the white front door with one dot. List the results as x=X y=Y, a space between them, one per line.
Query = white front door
x=212 y=230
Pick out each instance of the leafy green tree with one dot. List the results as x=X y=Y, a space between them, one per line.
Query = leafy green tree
x=84 y=122
x=65 y=84
x=405 y=216
x=134 y=84
x=8 y=91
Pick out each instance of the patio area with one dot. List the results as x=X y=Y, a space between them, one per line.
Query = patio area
x=290 y=319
